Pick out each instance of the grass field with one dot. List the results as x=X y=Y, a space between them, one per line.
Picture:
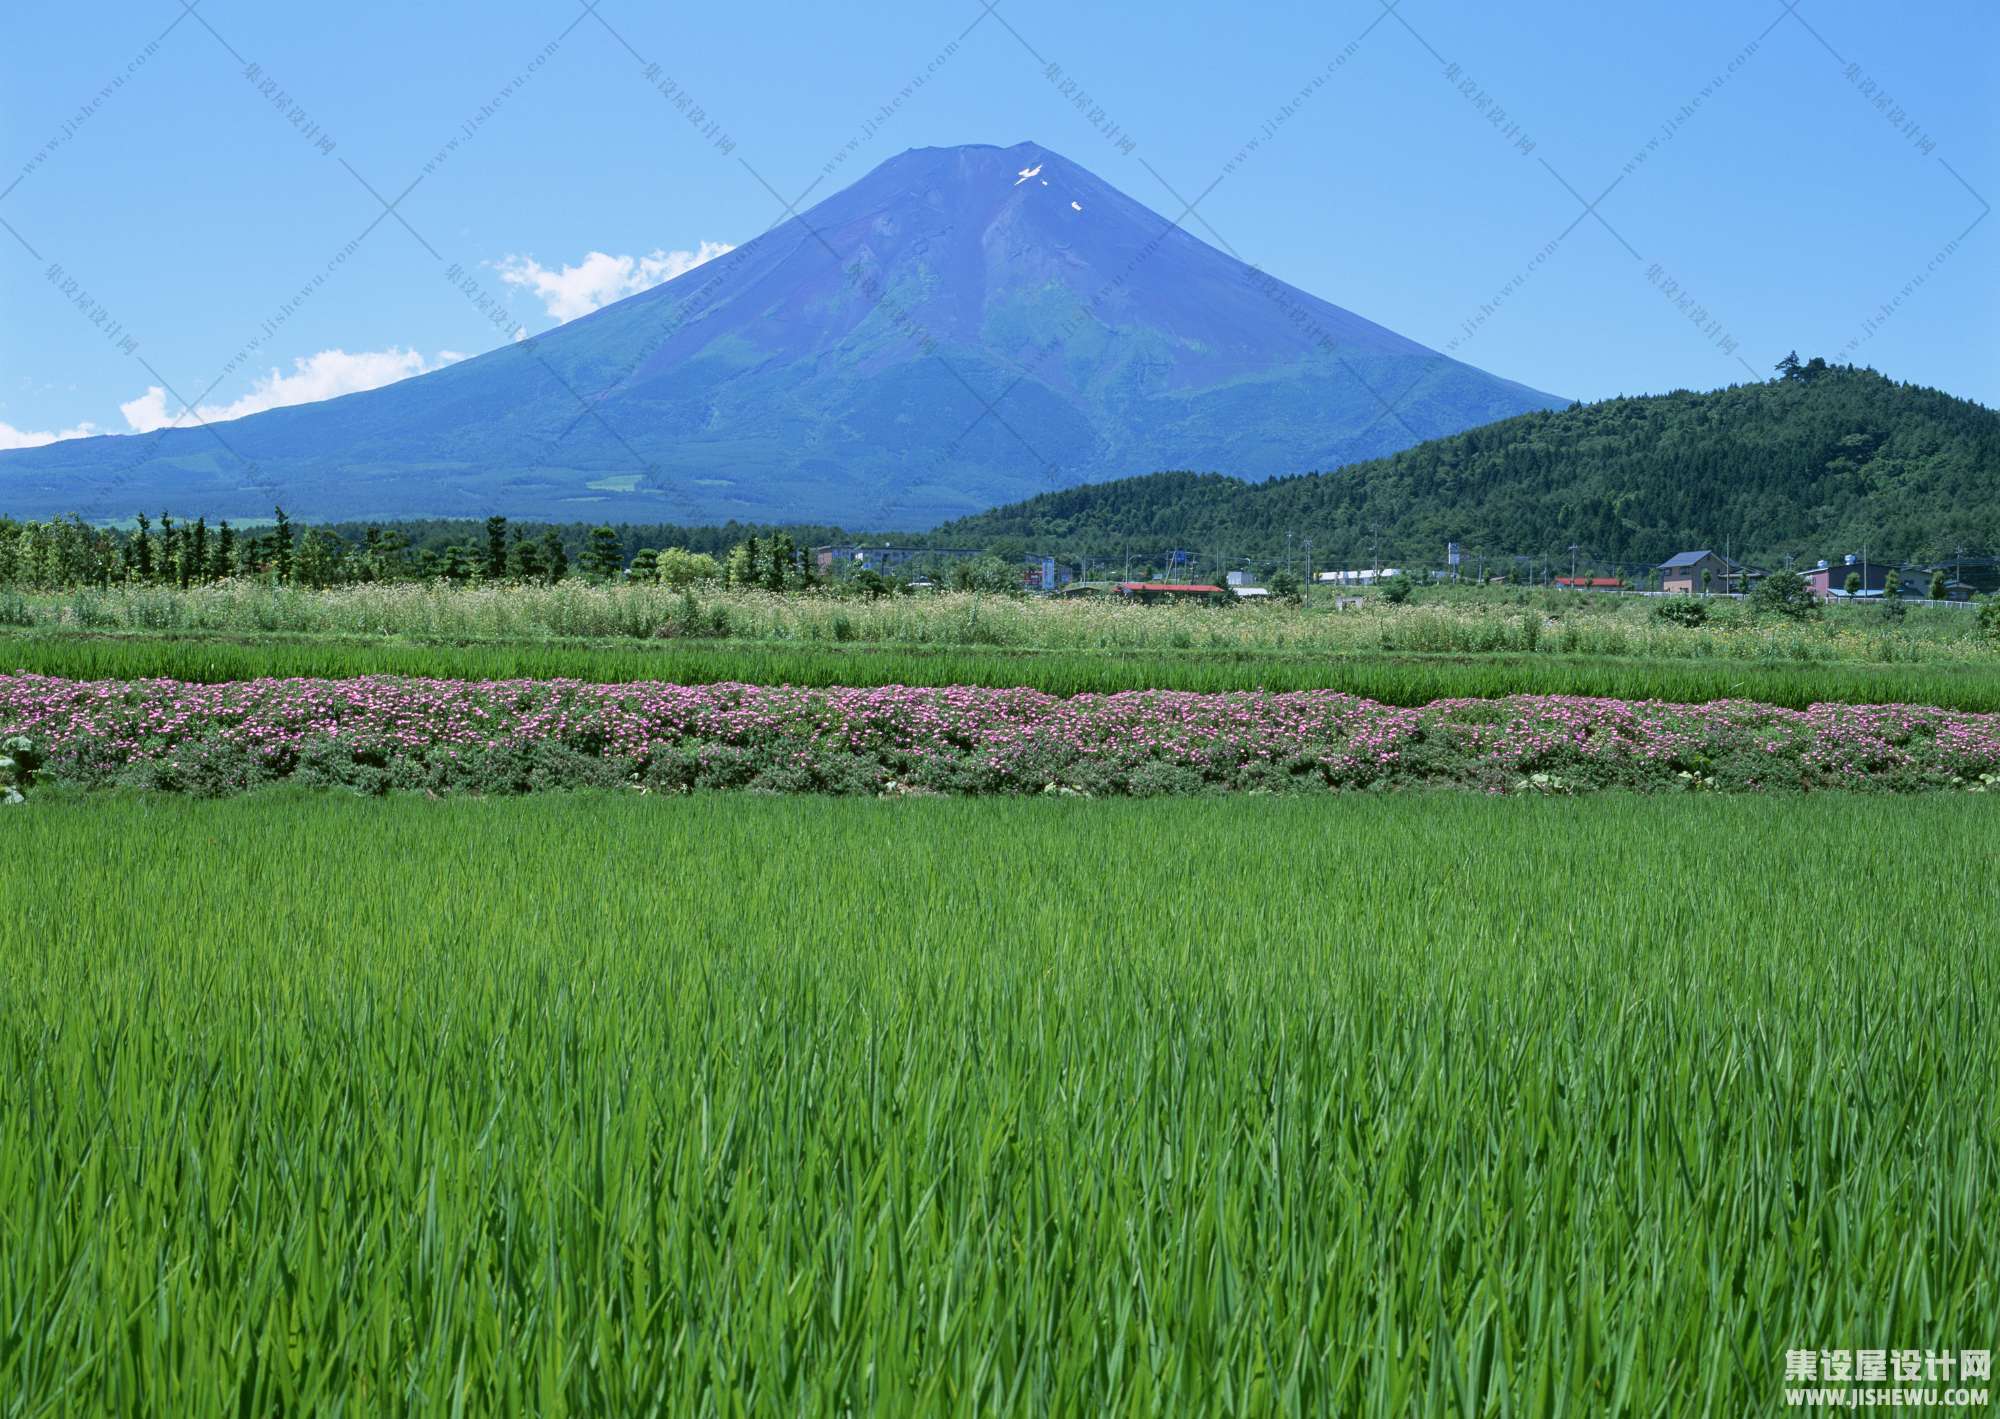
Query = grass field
x=1398 y=678
x=1438 y=621
x=716 y=1105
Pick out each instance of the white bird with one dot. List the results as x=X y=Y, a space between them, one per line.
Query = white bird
x=1076 y=206
x=1027 y=173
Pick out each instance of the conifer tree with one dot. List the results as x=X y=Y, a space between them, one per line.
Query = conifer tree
x=524 y=558
x=744 y=567
x=170 y=550
x=496 y=548
x=783 y=558
x=142 y=549
x=603 y=556
x=281 y=546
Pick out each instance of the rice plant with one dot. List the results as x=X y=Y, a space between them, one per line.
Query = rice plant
x=1395 y=678
x=630 y=1105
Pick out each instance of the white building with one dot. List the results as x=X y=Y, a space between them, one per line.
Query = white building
x=1367 y=576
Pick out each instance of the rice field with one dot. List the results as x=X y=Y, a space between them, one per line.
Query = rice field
x=612 y=1104
x=1396 y=678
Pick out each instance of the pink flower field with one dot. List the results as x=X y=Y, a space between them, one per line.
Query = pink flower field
x=381 y=733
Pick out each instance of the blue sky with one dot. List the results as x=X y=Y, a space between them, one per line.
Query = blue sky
x=1769 y=179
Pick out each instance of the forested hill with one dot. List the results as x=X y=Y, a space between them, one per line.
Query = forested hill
x=1819 y=461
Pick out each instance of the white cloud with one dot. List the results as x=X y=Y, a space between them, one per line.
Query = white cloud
x=11 y=437
x=600 y=278
x=326 y=375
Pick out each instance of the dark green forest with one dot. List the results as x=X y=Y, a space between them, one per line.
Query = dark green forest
x=1816 y=462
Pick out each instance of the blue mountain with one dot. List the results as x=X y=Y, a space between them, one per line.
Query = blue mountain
x=963 y=327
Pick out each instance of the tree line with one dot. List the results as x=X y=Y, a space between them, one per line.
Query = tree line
x=62 y=553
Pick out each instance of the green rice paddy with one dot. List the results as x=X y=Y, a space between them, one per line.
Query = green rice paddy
x=715 y=1105
x=1392 y=678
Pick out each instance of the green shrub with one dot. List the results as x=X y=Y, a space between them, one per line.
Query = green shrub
x=1681 y=611
x=1786 y=595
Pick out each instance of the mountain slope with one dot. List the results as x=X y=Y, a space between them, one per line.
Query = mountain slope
x=1816 y=465
x=944 y=335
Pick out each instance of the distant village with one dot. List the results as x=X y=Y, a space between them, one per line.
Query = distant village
x=1851 y=576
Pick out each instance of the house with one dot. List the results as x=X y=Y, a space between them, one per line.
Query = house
x=1953 y=590
x=1979 y=576
x=1150 y=591
x=1684 y=573
x=853 y=557
x=1366 y=576
x=1045 y=574
x=1590 y=583
x=1871 y=579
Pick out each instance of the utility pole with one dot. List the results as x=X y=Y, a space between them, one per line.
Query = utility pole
x=1573 y=550
x=1309 y=569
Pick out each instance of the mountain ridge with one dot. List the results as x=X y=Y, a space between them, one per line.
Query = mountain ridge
x=1822 y=463
x=959 y=327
